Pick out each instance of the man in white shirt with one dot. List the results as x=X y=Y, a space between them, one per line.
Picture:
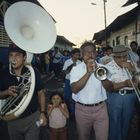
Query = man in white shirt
x=107 y=55
x=73 y=61
x=122 y=100
x=90 y=95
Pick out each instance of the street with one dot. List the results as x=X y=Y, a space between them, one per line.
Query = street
x=53 y=85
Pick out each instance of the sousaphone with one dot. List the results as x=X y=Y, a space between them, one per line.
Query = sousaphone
x=31 y=28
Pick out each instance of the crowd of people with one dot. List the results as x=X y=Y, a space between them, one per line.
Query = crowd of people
x=51 y=61
x=106 y=104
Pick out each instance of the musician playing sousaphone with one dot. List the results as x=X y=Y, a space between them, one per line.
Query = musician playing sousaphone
x=22 y=124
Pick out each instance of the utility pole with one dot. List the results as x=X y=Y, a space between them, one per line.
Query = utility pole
x=105 y=22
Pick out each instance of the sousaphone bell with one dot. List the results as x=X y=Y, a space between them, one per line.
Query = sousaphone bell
x=30 y=27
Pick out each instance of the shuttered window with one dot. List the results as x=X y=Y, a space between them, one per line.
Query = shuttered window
x=4 y=38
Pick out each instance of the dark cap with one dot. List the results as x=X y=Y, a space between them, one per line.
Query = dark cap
x=120 y=50
x=14 y=48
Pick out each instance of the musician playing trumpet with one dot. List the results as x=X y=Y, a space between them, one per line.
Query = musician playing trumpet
x=90 y=95
x=24 y=126
x=122 y=100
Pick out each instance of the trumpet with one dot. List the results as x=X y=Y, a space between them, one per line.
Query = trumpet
x=101 y=73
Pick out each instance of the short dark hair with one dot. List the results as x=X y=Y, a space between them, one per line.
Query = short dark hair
x=76 y=50
x=134 y=42
x=56 y=93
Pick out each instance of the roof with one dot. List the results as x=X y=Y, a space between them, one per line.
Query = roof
x=129 y=2
x=62 y=39
x=124 y=19
x=33 y=1
x=99 y=36
x=117 y=24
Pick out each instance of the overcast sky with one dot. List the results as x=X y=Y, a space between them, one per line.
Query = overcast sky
x=78 y=20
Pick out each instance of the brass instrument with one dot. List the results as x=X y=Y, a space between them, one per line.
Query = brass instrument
x=101 y=73
x=15 y=105
x=32 y=29
x=135 y=76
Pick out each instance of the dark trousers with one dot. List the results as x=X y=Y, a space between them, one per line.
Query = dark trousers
x=68 y=97
x=24 y=128
x=4 y=135
x=58 y=133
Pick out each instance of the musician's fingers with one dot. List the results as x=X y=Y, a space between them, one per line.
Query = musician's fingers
x=12 y=91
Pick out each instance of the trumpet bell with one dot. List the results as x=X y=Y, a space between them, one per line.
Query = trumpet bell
x=101 y=73
x=30 y=27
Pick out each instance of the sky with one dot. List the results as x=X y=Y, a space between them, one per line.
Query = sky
x=78 y=20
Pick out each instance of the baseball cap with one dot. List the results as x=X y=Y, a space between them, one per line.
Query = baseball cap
x=14 y=48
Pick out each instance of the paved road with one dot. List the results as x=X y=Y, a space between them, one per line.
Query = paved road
x=52 y=85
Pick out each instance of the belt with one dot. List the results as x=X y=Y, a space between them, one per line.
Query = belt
x=124 y=91
x=96 y=104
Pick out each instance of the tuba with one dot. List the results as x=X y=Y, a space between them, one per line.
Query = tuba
x=32 y=29
x=16 y=105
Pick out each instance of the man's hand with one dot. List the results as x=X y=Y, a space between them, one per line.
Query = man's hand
x=127 y=65
x=90 y=65
x=128 y=83
x=43 y=119
x=12 y=91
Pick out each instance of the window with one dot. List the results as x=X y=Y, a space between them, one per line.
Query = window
x=118 y=40
x=126 y=40
x=4 y=39
x=113 y=42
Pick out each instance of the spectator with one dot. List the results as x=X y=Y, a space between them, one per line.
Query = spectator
x=56 y=62
x=107 y=55
x=58 y=115
x=47 y=62
x=73 y=61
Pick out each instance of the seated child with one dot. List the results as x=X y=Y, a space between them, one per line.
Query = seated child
x=58 y=115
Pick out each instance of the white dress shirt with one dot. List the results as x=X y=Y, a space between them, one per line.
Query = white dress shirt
x=92 y=92
x=117 y=74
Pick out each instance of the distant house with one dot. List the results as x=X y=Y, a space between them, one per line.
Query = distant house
x=63 y=44
x=124 y=29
